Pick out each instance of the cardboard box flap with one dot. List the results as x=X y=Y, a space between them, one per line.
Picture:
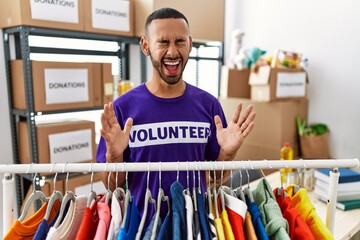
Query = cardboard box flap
x=261 y=77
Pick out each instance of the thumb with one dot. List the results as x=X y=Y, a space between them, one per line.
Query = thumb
x=218 y=123
x=128 y=125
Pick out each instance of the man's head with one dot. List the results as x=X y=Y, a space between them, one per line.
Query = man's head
x=168 y=43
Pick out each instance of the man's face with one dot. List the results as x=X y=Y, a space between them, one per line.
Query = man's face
x=169 y=45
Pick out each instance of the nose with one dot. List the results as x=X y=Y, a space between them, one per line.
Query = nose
x=172 y=50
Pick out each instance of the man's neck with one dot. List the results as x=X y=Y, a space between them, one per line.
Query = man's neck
x=164 y=90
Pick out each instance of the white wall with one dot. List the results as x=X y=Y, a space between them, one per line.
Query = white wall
x=328 y=33
x=5 y=146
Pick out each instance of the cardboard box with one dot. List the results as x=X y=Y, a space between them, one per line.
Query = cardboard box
x=109 y=17
x=103 y=84
x=107 y=87
x=49 y=14
x=234 y=83
x=274 y=125
x=273 y=84
x=80 y=185
x=60 y=142
x=200 y=21
x=57 y=85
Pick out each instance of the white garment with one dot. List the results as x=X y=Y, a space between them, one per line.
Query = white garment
x=72 y=221
x=189 y=216
x=116 y=216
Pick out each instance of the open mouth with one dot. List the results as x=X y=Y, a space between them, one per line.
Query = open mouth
x=172 y=66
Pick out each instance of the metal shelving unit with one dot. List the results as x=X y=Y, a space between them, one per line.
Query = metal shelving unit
x=16 y=46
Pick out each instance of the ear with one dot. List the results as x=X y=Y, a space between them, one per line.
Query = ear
x=144 y=46
x=191 y=44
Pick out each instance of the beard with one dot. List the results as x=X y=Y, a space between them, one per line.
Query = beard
x=171 y=80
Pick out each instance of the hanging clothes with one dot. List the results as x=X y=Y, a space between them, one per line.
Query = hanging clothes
x=189 y=215
x=72 y=220
x=116 y=215
x=257 y=220
x=204 y=225
x=44 y=228
x=302 y=203
x=165 y=232
x=210 y=216
x=132 y=222
x=229 y=235
x=27 y=229
x=276 y=226
x=298 y=229
x=148 y=232
x=197 y=231
x=236 y=210
x=88 y=226
x=104 y=214
x=249 y=230
x=178 y=211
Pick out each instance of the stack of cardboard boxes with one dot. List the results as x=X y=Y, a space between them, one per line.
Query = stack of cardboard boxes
x=278 y=96
x=120 y=17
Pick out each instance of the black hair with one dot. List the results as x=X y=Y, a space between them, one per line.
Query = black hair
x=164 y=13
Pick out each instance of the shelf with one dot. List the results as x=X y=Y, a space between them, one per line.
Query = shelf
x=24 y=113
x=16 y=46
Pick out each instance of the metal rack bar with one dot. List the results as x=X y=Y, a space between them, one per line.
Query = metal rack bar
x=177 y=166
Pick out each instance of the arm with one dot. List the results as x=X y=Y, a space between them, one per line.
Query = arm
x=231 y=138
x=116 y=139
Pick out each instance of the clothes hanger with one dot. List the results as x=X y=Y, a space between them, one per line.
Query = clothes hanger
x=208 y=193
x=187 y=189
x=69 y=196
x=215 y=196
x=239 y=190
x=128 y=198
x=148 y=199
x=92 y=195
x=56 y=195
x=229 y=190
x=36 y=195
x=118 y=191
x=161 y=198
x=298 y=187
x=247 y=190
x=194 y=192
x=108 y=194
x=281 y=188
x=221 y=190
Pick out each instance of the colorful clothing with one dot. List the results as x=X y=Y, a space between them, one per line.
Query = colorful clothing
x=28 y=228
x=72 y=221
x=298 y=229
x=302 y=203
x=276 y=226
x=236 y=210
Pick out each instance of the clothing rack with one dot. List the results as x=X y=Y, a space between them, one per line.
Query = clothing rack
x=8 y=169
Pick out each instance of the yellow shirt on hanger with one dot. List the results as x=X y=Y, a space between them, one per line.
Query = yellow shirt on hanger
x=302 y=203
x=229 y=235
x=219 y=229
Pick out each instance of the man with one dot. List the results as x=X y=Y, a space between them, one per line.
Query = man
x=167 y=119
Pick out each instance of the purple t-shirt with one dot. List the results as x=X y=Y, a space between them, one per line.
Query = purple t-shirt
x=167 y=130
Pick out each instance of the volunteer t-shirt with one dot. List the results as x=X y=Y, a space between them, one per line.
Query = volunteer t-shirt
x=167 y=130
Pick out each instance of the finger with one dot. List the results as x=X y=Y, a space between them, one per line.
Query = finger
x=237 y=112
x=244 y=116
x=218 y=123
x=250 y=119
x=128 y=125
x=248 y=129
x=104 y=122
